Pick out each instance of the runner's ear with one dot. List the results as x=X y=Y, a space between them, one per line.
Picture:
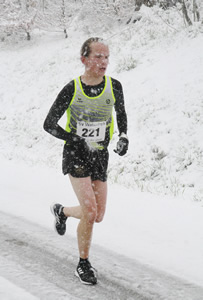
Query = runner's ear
x=83 y=59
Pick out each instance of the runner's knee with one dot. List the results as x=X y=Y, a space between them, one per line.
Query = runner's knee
x=90 y=215
x=99 y=218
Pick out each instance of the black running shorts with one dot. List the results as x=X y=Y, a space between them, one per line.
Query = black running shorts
x=79 y=161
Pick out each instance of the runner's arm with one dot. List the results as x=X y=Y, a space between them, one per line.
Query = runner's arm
x=119 y=105
x=56 y=112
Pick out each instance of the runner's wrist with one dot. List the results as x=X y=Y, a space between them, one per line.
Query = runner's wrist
x=123 y=135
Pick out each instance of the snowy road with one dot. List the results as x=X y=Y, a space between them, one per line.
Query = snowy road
x=41 y=263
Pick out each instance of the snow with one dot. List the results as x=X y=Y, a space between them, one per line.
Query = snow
x=13 y=292
x=163 y=232
x=154 y=211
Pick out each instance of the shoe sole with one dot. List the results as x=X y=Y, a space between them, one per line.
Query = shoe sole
x=53 y=213
x=83 y=282
x=52 y=208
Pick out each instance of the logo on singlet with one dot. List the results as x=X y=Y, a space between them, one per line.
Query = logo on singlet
x=79 y=100
x=108 y=101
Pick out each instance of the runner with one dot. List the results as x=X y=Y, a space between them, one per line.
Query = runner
x=88 y=101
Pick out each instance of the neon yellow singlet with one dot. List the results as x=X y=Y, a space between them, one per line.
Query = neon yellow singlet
x=91 y=117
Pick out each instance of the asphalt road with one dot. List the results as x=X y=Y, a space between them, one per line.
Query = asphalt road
x=43 y=264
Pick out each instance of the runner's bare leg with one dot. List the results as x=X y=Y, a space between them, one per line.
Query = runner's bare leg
x=92 y=199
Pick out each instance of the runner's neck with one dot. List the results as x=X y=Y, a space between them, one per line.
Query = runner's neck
x=88 y=80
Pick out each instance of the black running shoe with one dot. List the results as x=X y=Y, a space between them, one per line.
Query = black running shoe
x=86 y=273
x=60 y=218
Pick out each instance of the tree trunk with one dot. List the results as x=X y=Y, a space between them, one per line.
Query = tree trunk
x=64 y=19
x=196 y=11
x=185 y=14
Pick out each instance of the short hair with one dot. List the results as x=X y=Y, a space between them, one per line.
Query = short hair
x=85 y=49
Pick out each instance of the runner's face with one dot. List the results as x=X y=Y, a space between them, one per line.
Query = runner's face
x=97 y=61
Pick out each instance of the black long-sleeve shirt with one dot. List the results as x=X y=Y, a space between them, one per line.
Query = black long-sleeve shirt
x=64 y=98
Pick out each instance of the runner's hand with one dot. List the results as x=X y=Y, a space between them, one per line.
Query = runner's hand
x=122 y=146
x=75 y=140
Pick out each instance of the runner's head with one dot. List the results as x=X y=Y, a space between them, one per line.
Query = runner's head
x=95 y=56
x=86 y=47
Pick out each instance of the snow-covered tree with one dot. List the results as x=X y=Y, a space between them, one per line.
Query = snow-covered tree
x=92 y=16
x=17 y=16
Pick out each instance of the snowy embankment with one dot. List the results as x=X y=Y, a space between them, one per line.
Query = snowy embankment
x=164 y=99
x=163 y=95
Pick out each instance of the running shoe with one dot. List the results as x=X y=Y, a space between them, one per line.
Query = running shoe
x=60 y=218
x=86 y=273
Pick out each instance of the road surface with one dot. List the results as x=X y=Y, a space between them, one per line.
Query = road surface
x=42 y=263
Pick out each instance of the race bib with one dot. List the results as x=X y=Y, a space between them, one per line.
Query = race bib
x=92 y=131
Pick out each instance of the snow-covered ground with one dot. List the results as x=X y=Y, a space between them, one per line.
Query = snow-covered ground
x=12 y=292
x=164 y=232
x=163 y=94
x=154 y=212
